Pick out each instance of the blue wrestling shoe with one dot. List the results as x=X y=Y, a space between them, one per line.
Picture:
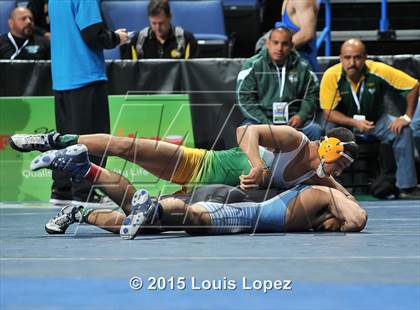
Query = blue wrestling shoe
x=73 y=159
x=36 y=142
x=67 y=216
x=142 y=211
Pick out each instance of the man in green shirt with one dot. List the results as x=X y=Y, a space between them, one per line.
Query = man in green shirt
x=276 y=83
x=352 y=95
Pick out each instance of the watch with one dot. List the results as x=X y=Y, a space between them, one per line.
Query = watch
x=406 y=118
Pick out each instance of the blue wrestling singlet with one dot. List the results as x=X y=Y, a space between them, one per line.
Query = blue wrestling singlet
x=307 y=51
x=251 y=217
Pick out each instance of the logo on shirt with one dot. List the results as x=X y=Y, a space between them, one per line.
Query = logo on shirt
x=293 y=77
x=371 y=90
x=32 y=49
x=175 y=54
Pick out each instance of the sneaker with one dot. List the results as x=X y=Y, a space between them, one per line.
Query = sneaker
x=142 y=211
x=67 y=216
x=73 y=159
x=36 y=142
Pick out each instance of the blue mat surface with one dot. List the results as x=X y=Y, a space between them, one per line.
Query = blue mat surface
x=91 y=269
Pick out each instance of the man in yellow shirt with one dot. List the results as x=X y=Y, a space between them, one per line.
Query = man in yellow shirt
x=352 y=94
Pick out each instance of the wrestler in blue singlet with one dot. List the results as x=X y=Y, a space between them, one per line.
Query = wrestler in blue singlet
x=307 y=51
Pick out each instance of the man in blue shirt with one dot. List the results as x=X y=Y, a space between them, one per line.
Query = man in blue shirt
x=78 y=37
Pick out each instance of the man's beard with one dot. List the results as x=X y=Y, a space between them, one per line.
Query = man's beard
x=27 y=32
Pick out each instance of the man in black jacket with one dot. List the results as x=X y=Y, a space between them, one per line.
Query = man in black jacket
x=161 y=39
x=21 y=42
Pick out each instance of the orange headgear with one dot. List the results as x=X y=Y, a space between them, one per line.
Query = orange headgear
x=331 y=149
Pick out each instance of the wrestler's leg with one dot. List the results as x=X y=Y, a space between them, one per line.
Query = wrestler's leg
x=157 y=157
x=177 y=215
x=109 y=220
x=115 y=186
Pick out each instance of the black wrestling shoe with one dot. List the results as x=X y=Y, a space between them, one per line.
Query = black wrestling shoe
x=37 y=142
x=67 y=216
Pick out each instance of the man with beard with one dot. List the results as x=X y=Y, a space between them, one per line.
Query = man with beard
x=21 y=42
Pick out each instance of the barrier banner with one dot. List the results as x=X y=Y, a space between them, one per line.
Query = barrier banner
x=158 y=117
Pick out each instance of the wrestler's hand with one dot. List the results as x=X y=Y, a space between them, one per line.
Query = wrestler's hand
x=331 y=224
x=253 y=180
x=295 y=121
x=364 y=126
x=397 y=125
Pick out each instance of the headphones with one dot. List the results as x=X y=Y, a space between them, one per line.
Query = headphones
x=332 y=149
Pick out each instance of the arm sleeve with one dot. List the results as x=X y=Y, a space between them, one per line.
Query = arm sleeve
x=397 y=80
x=246 y=92
x=310 y=97
x=98 y=37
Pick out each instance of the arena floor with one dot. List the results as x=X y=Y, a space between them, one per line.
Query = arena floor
x=90 y=269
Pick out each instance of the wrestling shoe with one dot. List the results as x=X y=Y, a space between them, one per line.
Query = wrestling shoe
x=73 y=159
x=36 y=142
x=67 y=216
x=142 y=211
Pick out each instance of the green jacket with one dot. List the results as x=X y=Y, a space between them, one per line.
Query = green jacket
x=259 y=83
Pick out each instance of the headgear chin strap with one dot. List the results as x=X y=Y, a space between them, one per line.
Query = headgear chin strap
x=331 y=150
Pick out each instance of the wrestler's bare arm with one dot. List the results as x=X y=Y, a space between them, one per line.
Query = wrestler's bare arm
x=352 y=217
x=280 y=138
x=330 y=182
x=305 y=13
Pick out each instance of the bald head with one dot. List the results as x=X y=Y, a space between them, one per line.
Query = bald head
x=352 y=58
x=21 y=22
x=284 y=30
x=354 y=44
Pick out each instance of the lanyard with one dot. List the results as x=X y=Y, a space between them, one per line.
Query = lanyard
x=283 y=79
x=357 y=100
x=17 y=50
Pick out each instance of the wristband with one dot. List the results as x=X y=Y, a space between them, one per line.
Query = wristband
x=406 y=118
